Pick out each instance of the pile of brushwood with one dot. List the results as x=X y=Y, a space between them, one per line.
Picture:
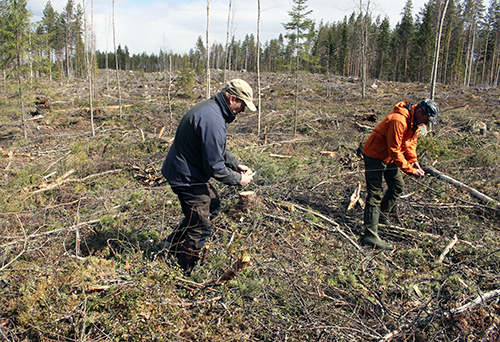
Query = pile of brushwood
x=83 y=209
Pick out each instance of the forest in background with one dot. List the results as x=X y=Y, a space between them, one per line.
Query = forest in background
x=60 y=45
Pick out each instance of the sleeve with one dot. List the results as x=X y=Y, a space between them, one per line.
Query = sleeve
x=214 y=145
x=231 y=161
x=395 y=132
x=411 y=149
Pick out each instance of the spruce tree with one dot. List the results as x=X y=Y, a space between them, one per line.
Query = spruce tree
x=300 y=31
x=15 y=52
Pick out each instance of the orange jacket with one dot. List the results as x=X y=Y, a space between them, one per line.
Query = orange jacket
x=395 y=139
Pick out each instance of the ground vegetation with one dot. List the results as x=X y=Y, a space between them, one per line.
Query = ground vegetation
x=82 y=217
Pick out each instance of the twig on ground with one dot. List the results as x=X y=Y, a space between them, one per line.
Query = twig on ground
x=447 y=249
x=329 y=220
x=24 y=247
x=424 y=321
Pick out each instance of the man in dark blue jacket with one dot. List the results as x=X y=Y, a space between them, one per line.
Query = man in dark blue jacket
x=198 y=153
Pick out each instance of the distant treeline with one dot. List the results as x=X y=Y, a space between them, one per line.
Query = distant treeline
x=469 y=54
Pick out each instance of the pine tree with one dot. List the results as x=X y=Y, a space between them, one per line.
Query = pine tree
x=67 y=17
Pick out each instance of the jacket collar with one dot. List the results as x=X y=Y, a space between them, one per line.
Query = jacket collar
x=226 y=112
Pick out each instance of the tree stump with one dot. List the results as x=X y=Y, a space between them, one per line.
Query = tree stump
x=248 y=199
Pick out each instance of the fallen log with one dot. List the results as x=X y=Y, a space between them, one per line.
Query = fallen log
x=474 y=193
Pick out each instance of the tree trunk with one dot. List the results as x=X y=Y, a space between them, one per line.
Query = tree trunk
x=436 y=50
x=258 y=67
x=484 y=54
x=226 y=62
x=116 y=64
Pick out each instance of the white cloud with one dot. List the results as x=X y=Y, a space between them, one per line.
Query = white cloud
x=145 y=26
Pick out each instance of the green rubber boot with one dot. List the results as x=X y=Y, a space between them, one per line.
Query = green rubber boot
x=371 y=237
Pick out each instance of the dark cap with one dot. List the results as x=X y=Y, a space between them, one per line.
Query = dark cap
x=430 y=108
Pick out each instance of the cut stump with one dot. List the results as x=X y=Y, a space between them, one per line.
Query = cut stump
x=248 y=199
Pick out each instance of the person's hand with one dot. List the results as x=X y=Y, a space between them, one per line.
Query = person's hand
x=245 y=179
x=419 y=173
x=243 y=169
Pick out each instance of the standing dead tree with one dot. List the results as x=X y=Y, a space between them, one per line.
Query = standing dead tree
x=116 y=63
x=258 y=66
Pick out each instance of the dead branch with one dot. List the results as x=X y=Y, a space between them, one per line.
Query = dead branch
x=365 y=127
x=24 y=247
x=62 y=180
x=424 y=321
x=337 y=226
x=417 y=232
x=331 y=154
x=188 y=304
x=447 y=249
x=279 y=156
x=50 y=232
x=238 y=265
x=478 y=300
x=355 y=198
x=482 y=197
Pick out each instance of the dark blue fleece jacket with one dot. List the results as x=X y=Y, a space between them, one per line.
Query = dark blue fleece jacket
x=199 y=149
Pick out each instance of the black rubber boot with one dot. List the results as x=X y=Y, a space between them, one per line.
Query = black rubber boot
x=187 y=259
x=371 y=238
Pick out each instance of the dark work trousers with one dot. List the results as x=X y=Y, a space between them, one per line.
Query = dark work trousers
x=200 y=204
x=375 y=171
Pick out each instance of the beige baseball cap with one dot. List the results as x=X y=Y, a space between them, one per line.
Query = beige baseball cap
x=243 y=92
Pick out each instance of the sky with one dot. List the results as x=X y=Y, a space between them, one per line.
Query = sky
x=175 y=25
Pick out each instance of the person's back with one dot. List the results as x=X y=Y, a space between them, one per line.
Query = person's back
x=198 y=153
x=197 y=143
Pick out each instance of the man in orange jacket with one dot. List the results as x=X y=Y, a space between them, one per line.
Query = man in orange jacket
x=392 y=147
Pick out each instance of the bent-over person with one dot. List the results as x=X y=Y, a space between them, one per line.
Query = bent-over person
x=199 y=153
x=390 y=150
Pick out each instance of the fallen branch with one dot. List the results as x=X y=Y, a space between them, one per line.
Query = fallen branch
x=479 y=299
x=22 y=252
x=482 y=197
x=355 y=198
x=279 y=156
x=62 y=180
x=50 y=232
x=329 y=220
x=188 y=304
x=424 y=321
x=238 y=265
x=447 y=249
